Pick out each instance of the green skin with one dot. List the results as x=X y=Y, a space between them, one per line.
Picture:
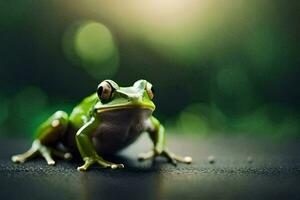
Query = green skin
x=96 y=128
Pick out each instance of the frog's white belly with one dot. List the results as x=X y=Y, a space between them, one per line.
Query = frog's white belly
x=119 y=128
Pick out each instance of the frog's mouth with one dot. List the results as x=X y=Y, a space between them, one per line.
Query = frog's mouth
x=123 y=107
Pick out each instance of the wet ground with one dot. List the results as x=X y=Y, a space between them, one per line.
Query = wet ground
x=223 y=168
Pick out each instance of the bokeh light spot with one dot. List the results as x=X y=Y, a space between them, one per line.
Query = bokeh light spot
x=91 y=46
x=94 y=42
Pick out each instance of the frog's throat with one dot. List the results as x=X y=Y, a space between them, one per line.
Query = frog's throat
x=110 y=108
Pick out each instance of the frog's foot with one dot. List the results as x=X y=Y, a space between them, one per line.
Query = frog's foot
x=21 y=158
x=172 y=158
x=100 y=161
x=46 y=152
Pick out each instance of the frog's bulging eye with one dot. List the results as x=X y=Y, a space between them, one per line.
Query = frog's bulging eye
x=104 y=91
x=150 y=90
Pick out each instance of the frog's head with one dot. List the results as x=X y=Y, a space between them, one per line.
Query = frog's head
x=112 y=97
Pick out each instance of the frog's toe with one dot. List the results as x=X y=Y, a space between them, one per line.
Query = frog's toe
x=82 y=168
x=187 y=159
x=61 y=154
x=46 y=153
x=50 y=162
x=17 y=159
x=21 y=158
x=173 y=158
x=100 y=161
x=106 y=164
x=115 y=166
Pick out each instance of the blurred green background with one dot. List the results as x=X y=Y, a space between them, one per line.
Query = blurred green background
x=227 y=67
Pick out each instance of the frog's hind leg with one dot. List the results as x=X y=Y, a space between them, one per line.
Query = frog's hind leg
x=48 y=134
x=157 y=135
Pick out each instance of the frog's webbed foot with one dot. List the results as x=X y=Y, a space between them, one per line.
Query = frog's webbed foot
x=44 y=151
x=100 y=161
x=172 y=158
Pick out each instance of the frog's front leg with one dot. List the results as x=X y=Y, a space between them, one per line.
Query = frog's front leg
x=157 y=135
x=47 y=134
x=87 y=150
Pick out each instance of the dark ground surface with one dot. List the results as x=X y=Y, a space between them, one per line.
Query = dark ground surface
x=274 y=173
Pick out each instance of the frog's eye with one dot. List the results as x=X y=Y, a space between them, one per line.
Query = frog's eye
x=150 y=90
x=104 y=91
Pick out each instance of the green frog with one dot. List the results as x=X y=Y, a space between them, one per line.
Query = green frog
x=102 y=124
